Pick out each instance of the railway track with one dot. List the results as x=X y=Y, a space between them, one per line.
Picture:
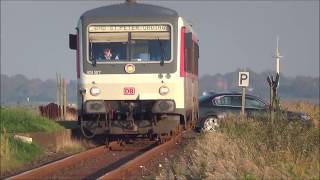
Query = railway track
x=102 y=162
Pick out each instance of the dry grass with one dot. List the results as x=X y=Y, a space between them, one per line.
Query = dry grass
x=251 y=149
x=215 y=156
x=291 y=148
x=304 y=106
x=69 y=145
x=5 y=154
x=71 y=116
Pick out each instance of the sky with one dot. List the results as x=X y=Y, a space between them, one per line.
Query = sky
x=233 y=34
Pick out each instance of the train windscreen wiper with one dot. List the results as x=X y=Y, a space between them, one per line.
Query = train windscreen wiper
x=93 y=60
x=162 y=52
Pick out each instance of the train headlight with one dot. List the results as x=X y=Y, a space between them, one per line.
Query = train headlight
x=164 y=106
x=95 y=106
x=95 y=91
x=163 y=90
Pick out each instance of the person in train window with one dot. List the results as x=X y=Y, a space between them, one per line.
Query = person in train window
x=107 y=54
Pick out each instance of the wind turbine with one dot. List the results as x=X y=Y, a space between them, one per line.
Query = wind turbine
x=277 y=56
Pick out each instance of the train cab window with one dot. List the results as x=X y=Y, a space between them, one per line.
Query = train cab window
x=150 y=46
x=116 y=42
x=129 y=44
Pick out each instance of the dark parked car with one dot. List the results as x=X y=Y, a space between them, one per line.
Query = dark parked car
x=214 y=107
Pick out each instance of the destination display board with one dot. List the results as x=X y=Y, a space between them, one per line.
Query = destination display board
x=128 y=28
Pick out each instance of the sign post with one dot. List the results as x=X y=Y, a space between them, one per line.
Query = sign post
x=244 y=83
x=243 y=102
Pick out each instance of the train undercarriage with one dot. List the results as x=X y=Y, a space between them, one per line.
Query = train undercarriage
x=121 y=120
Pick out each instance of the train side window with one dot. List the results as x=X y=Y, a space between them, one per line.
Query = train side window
x=188 y=40
x=73 y=41
x=196 y=59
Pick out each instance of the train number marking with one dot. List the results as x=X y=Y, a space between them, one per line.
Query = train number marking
x=93 y=72
x=129 y=91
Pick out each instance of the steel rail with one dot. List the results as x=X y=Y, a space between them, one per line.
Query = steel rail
x=119 y=173
x=134 y=164
x=54 y=166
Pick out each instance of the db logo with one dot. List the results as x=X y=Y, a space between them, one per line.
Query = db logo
x=129 y=91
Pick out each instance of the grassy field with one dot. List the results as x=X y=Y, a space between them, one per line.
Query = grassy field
x=251 y=149
x=15 y=153
x=20 y=120
x=304 y=106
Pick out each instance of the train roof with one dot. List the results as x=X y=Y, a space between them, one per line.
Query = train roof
x=130 y=10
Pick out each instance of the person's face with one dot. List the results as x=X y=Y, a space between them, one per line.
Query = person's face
x=107 y=52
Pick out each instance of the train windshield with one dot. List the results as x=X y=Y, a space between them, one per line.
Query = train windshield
x=147 y=43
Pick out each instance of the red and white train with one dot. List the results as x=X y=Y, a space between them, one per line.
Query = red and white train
x=137 y=70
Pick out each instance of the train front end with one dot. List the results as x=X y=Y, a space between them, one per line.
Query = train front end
x=136 y=87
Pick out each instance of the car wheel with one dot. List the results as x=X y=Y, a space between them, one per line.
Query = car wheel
x=210 y=124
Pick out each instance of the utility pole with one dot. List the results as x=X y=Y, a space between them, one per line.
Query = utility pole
x=60 y=97
x=64 y=99
x=58 y=89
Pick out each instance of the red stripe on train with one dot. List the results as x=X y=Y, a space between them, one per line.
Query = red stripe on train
x=183 y=30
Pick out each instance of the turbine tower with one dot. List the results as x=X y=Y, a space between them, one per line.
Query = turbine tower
x=277 y=57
